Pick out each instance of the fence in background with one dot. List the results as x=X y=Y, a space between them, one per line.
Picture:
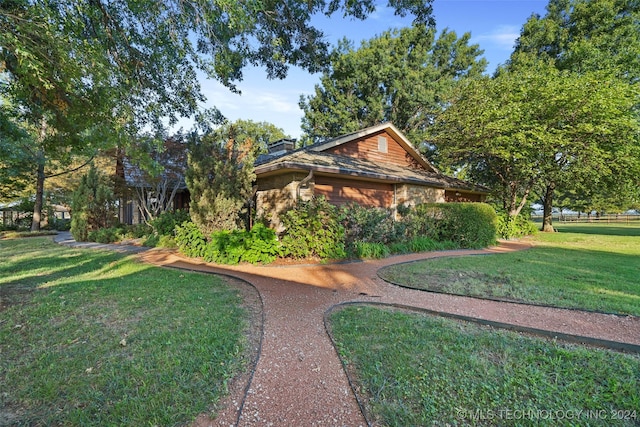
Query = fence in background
x=609 y=218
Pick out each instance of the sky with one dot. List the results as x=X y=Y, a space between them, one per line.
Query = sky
x=493 y=24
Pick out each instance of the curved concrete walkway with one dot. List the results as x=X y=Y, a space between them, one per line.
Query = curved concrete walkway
x=299 y=378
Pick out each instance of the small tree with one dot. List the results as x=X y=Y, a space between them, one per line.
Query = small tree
x=93 y=206
x=158 y=182
x=220 y=175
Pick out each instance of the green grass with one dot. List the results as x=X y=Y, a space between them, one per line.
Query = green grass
x=95 y=338
x=585 y=266
x=421 y=370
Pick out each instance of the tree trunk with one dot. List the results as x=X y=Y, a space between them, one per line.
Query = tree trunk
x=37 y=206
x=547 y=216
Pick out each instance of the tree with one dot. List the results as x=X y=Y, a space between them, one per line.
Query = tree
x=14 y=164
x=157 y=184
x=587 y=35
x=260 y=133
x=401 y=76
x=93 y=205
x=584 y=36
x=220 y=175
x=87 y=75
x=535 y=126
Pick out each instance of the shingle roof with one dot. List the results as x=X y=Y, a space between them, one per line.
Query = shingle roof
x=314 y=158
x=321 y=162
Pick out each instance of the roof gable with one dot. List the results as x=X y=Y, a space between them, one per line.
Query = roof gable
x=367 y=144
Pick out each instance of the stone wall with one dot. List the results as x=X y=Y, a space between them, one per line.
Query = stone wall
x=278 y=194
x=412 y=195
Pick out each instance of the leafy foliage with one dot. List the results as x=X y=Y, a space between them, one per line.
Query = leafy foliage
x=366 y=224
x=191 y=240
x=260 y=245
x=93 y=206
x=104 y=235
x=514 y=226
x=166 y=223
x=536 y=127
x=313 y=229
x=259 y=133
x=585 y=35
x=401 y=76
x=471 y=225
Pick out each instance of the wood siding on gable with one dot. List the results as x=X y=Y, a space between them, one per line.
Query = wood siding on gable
x=367 y=148
x=340 y=191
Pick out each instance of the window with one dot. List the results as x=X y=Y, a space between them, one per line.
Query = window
x=382 y=144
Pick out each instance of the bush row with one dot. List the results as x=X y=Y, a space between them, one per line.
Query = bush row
x=317 y=229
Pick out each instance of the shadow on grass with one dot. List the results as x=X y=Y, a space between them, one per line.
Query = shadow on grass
x=21 y=275
x=98 y=339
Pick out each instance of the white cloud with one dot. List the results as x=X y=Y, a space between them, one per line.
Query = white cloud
x=503 y=37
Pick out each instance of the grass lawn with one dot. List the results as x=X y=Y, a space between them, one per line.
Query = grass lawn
x=420 y=370
x=586 y=266
x=96 y=338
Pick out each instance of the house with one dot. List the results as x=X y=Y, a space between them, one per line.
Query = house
x=377 y=166
x=142 y=195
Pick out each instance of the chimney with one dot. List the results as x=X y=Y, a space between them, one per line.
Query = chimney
x=281 y=146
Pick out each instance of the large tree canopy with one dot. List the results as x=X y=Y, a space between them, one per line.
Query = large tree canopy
x=587 y=35
x=401 y=76
x=536 y=126
x=88 y=74
x=583 y=36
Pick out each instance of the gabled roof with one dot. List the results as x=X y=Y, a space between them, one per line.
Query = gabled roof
x=393 y=131
x=315 y=158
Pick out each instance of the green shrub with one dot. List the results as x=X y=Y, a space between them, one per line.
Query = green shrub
x=93 y=206
x=511 y=227
x=471 y=225
x=151 y=240
x=363 y=224
x=60 y=224
x=225 y=247
x=313 y=229
x=137 y=231
x=415 y=222
x=165 y=223
x=168 y=242
x=190 y=240
x=259 y=245
x=104 y=235
x=262 y=245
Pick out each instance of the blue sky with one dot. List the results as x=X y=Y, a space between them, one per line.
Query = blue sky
x=494 y=25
